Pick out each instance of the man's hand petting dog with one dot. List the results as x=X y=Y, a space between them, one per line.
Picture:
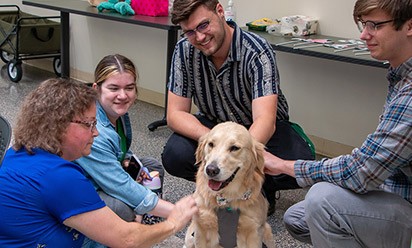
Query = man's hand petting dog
x=276 y=166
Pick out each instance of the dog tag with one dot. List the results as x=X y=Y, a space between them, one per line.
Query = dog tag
x=227 y=221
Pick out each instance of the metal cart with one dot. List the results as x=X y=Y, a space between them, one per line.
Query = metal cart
x=24 y=36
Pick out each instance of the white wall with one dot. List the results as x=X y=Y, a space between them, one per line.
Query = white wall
x=335 y=102
x=335 y=16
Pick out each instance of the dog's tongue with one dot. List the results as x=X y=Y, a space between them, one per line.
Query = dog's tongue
x=214 y=185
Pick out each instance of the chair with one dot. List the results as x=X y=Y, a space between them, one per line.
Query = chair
x=5 y=137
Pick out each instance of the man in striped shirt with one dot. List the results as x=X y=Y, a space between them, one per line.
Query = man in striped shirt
x=364 y=199
x=230 y=75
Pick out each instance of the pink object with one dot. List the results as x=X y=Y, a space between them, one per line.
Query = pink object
x=152 y=184
x=319 y=41
x=151 y=7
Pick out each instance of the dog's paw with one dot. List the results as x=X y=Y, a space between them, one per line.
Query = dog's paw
x=189 y=237
x=190 y=244
x=268 y=239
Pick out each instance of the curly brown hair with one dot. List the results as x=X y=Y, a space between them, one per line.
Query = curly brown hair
x=47 y=111
x=399 y=10
x=182 y=9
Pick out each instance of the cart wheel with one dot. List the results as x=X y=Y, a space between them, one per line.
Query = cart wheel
x=57 y=66
x=14 y=70
x=5 y=56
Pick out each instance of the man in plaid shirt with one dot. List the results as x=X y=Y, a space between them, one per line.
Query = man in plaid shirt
x=364 y=199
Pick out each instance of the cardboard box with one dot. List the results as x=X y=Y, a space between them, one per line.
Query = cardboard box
x=297 y=25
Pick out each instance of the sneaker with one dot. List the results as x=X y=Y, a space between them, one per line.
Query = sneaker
x=271 y=208
x=271 y=198
x=149 y=219
x=155 y=184
x=272 y=203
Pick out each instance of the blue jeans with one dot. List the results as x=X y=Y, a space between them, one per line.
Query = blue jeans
x=331 y=216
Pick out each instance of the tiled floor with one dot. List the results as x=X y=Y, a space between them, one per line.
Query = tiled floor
x=145 y=143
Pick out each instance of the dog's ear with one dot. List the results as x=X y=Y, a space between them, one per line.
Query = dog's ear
x=200 y=150
x=258 y=149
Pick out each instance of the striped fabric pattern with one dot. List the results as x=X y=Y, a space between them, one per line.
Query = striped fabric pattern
x=249 y=72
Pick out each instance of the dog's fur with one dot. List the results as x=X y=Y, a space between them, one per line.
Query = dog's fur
x=228 y=148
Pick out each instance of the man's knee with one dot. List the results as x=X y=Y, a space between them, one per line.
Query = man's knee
x=320 y=198
x=173 y=157
x=294 y=220
x=178 y=157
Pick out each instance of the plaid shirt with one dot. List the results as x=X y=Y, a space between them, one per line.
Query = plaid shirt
x=249 y=72
x=384 y=161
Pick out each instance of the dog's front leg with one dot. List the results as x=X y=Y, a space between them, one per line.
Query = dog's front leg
x=206 y=239
x=249 y=233
x=189 y=238
x=206 y=230
x=268 y=236
x=250 y=240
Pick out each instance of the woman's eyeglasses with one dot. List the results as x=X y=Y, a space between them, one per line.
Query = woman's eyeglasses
x=89 y=124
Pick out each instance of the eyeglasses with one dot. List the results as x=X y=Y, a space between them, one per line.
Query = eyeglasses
x=370 y=26
x=201 y=28
x=89 y=124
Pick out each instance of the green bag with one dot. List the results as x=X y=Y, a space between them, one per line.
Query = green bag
x=302 y=134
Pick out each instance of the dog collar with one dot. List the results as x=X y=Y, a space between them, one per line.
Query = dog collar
x=222 y=201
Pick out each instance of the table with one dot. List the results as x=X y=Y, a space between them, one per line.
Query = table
x=79 y=7
x=279 y=43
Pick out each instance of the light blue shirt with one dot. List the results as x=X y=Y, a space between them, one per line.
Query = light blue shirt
x=105 y=171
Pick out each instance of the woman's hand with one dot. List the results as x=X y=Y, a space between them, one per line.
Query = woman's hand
x=182 y=212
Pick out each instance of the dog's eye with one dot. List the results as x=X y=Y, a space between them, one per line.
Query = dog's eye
x=234 y=148
x=211 y=145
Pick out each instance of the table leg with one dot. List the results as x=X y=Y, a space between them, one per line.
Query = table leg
x=65 y=44
x=171 y=43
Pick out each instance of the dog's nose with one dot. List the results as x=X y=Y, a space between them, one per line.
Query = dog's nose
x=212 y=169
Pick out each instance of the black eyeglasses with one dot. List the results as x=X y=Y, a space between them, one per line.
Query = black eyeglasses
x=89 y=124
x=201 y=28
x=370 y=26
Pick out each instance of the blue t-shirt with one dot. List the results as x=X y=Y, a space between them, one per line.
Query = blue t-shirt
x=37 y=193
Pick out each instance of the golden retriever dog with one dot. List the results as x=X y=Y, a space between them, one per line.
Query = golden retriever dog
x=229 y=178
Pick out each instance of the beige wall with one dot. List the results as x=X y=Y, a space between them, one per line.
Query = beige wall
x=337 y=103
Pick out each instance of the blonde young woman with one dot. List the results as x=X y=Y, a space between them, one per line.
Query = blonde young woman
x=115 y=84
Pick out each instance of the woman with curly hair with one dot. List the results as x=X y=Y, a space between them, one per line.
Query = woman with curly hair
x=46 y=200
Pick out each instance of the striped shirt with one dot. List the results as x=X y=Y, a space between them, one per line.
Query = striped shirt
x=384 y=161
x=226 y=94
